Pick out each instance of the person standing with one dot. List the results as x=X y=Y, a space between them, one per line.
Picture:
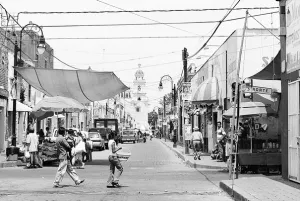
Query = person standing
x=113 y=179
x=63 y=149
x=48 y=133
x=32 y=142
x=197 y=140
x=221 y=141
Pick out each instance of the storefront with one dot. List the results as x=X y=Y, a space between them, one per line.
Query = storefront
x=259 y=138
x=205 y=116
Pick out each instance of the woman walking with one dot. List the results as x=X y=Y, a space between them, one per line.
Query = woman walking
x=113 y=179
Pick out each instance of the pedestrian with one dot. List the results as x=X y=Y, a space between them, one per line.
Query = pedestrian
x=48 y=133
x=197 y=140
x=63 y=149
x=221 y=134
x=80 y=149
x=113 y=179
x=41 y=136
x=32 y=142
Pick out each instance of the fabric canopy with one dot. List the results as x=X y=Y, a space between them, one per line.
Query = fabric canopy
x=48 y=106
x=250 y=109
x=82 y=85
x=207 y=92
x=20 y=107
x=272 y=71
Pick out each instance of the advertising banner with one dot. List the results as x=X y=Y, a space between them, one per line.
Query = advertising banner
x=188 y=131
x=187 y=91
x=292 y=35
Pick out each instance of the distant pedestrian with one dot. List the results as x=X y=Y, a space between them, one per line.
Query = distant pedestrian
x=113 y=179
x=41 y=136
x=63 y=149
x=48 y=133
x=32 y=142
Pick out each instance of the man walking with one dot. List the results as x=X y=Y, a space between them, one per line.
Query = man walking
x=113 y=179
x=197 y=140
x=32 y=142
x=63 y=148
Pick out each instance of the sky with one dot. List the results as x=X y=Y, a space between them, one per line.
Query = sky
x=157 y=57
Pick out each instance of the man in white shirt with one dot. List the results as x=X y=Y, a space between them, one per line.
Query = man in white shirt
x=113 y=179
x=197 y=139
x=32 y=142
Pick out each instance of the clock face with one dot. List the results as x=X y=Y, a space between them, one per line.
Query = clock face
x=139 y=88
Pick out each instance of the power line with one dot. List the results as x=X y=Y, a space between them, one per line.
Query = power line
x=145 y=11
x=150 y=24
x=50 y=53
x=217 y=27
x=145 y=37
x=146 y=17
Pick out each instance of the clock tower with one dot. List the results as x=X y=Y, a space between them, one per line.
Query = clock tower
x=139 y=85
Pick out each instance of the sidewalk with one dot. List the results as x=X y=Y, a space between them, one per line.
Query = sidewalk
x=4 y=163
x=205 y=162
x=260 y=188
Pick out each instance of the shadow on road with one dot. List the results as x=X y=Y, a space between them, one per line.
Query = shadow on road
x=99 y=162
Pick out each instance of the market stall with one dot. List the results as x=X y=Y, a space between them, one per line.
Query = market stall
x=258 y=138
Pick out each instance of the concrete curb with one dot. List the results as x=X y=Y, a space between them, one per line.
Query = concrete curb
x=6 y=164
x=190 y=163
x=236 y=195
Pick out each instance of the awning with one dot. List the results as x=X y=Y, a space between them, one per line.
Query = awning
x=250 y=109
x=82 y=85
x=272 y=71
x=20 y=107
x=207 y=92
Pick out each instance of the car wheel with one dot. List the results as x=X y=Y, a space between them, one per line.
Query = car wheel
x=134 y=142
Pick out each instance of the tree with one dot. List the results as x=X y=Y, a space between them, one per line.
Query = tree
x=152 y=117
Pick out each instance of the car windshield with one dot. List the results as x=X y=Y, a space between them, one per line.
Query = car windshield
x=94 y=135
x=128 y=132
x=100 y=130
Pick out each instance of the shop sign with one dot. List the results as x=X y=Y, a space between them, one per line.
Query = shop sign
x=188 y=131
x=254 y=89
x=292 y=35
x=186 y=91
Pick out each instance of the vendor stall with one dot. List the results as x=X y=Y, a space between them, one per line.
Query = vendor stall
x=258 y=138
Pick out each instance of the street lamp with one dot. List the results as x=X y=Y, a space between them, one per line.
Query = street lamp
x=41 y=49
x=169 y=78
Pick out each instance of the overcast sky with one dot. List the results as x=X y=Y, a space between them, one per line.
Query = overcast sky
x=152 y=54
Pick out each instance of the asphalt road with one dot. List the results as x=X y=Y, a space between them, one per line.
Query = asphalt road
x=153 y=172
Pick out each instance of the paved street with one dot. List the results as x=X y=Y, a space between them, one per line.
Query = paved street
x=152 y=173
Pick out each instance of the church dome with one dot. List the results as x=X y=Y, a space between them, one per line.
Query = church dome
x=139 y=73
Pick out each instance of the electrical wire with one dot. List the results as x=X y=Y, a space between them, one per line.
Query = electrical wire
x=146 y=11
x=215 y=30
x=146 y=37
x=150 y=24
x=146 y=17
x=50 y=53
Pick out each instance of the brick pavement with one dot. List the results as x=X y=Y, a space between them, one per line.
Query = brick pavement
x=260 y=188
x=205 y=162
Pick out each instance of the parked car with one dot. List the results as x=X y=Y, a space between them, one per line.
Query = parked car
x=128 y=135
x=97 y=140
x=104 y=132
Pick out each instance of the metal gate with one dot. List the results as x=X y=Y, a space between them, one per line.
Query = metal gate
x=293 y=131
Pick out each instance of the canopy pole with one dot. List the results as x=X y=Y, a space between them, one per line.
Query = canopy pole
x=57 y=121
x=233 y=129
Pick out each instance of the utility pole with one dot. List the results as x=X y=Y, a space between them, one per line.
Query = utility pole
x=283 y=114
x=14 y=136
x=237 y=83
x=184 y=59
x=164 y=116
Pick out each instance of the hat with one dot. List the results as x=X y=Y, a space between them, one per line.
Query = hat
x=196 y=128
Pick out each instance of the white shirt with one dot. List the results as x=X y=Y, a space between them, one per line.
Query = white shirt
x=110 y=144
x=197 y=135
x=32 y=141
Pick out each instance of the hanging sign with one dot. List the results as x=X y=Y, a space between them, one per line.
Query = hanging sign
x=188 y=131
x=186 y=91
x=254 y=89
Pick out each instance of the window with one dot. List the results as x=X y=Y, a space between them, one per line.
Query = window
x=37 y=60
x=212 y=70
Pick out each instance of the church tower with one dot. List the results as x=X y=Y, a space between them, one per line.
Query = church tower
x=140 y=100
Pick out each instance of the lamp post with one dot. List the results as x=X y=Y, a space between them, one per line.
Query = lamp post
x=41 y=49
x=169 y=78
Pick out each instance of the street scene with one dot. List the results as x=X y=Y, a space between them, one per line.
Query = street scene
x=152 y=100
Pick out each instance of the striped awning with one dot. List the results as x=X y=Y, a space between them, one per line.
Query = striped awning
x=207 y=92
